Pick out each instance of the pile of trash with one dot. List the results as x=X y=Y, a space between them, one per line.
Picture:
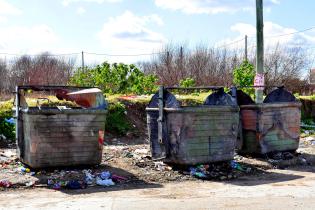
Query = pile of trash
x=280 y=156
x=15 y=174
x=159 y=171
x=72 y=179
x=219 y=171
x=104 y=179
x=308 y=141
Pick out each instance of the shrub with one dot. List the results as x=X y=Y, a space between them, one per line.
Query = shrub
x=116 y=120
x=115 y=78
x=188 y=82
x=6 y=129
x=244 y=76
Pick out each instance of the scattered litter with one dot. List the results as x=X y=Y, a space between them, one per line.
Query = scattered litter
x=160 y=166
x=5 y=183
x=89 y=178
x=56 y=186
x=104 y=179
x=197 y=172
x=236 y=165
x=302 y=161
x=75 y=184
x=278 y=156
x=10 y=121
x=117 y=178
x=105 y=175
x=104 y=182
x=30 y=184
x=141 y=151
x=25 y=170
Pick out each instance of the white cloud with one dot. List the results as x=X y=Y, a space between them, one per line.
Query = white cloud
x=22 y=38
x=80 y=10
x=67 y=2
x=130 y=34
x=8 y=9
x=3 y=19
x=210 y=6
x=271 y=35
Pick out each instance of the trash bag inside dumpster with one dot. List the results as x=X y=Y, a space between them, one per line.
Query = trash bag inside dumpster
x=243 y=98
x=279 y=95
x=219 y=97
x=158 y=150
x=169 y=100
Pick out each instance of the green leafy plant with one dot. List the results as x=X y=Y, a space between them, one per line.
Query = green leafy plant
x=116 y=120
x=244 y=76
x=6 y=129
x=116 y=78
x=188 y=82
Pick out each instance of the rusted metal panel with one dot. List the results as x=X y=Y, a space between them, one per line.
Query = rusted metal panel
x=49 y=141
x=270 y=127
x=195 y=135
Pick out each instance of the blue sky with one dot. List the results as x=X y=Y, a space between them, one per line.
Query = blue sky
x=144 y=26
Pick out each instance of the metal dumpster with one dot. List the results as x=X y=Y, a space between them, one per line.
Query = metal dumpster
x=61 y=136
x=193 y=135
x=272 y=126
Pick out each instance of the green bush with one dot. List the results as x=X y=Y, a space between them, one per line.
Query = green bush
x=244 y=76
x=116 y=121
x=115 y=78
x=6 y=129
x=188 y=82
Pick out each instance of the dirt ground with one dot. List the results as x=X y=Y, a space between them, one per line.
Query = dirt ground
x=261 y=184
x=279 y=189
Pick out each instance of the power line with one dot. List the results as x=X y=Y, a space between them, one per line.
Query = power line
x=231 y=43
x=123 y=55
x=287 y=34
x=40 y=54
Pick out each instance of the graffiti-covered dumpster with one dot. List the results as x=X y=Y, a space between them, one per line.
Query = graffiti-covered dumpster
x=52 y=135
x=272 y=126
x=192 y=134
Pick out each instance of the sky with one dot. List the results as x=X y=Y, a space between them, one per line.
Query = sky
x=133 y=27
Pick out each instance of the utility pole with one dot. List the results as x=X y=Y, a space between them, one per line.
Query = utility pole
x=82 y=61
x=245 y=47
x=181 y=65
x=259 y=78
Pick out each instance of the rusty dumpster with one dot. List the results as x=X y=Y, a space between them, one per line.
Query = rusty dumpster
x=193 y=134
x=60 y=136
x=272 y=126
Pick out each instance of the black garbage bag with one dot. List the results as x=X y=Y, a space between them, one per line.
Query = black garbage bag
x=159 y=150
x=279 y=95
x=170 y=100
x=243 y=98
x=219 y=97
